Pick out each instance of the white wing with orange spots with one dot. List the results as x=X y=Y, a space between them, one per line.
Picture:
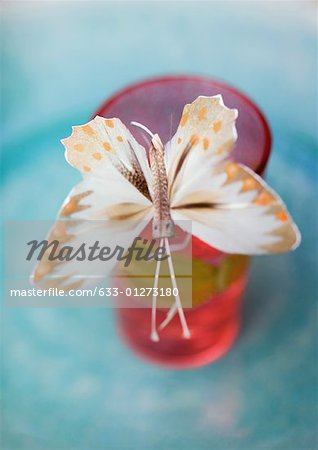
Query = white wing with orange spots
x=101 y=145
x=76 y=273
x=236 y=212
x=111 y=205
x=104 y=199
x=91 y=212
x=205 y=136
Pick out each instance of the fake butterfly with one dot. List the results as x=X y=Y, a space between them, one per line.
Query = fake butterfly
x=189 y=178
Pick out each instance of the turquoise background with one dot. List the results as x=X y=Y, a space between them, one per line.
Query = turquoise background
x=67 y=380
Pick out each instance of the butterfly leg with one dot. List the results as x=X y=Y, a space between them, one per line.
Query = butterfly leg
x=170 y=315
x=173 y=310
x=185 y=329
x=154 y=335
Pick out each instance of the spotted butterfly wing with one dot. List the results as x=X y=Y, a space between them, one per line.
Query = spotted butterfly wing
x=113 y=201
x=231 y=207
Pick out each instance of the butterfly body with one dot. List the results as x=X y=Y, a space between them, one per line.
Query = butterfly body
x=163 y=225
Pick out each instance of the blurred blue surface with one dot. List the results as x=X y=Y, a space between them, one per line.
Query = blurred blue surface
x=67 y=380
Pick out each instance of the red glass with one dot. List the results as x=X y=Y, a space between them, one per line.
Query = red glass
x=214 y=319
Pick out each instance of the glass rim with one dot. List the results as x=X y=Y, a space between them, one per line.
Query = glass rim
x=267 y=144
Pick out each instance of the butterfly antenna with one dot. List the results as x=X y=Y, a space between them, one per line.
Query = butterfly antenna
x=185 y=329
x=144 y=128
x=154 y=335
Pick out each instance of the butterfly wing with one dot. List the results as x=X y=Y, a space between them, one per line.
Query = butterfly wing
x=231 y=208
x=113 y=201
x=238 y=213
x=205 y=136
x=77 y=273
x=101 y=145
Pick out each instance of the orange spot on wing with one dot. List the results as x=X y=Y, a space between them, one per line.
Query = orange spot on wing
x=264 y=198
x=88 y=130
x=225 y=147
x=282 y=216
x=79 y=147
x=120 y=139
x=107 y=146
x=69 y=208
x=86 y=169
x=232 y=169
x=97 y=156
x=109 y=123
x=217 y=126
x=179 y=140
x=194 y=139
x=206 y=143
x=60 y=227
x=249 y=184
x=184 y=119
x=202 y=113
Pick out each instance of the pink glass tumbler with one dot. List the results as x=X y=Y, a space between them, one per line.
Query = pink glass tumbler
x=218 y=279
